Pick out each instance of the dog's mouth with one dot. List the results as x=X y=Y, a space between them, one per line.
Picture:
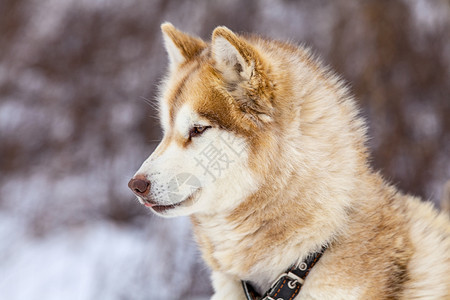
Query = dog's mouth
x=163 y=208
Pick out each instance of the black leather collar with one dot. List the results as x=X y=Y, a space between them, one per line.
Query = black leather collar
x=288 y=284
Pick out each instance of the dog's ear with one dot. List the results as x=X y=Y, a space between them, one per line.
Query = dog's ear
x=180 y=46
x=244 y=73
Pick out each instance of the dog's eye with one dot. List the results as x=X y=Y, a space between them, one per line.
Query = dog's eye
x=197 y=130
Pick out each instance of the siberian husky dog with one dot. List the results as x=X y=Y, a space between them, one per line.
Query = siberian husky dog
x=264 y=149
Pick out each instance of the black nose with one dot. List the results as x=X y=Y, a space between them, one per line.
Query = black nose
x=139 y=185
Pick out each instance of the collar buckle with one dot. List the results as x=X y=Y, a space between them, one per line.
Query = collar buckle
x=292 y=282
x=295 y=279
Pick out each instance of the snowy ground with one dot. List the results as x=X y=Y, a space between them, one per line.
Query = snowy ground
x=100 y=260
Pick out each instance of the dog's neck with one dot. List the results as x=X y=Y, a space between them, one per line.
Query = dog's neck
x=272 y=229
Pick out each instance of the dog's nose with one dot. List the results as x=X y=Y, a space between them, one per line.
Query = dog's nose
x=139 y=185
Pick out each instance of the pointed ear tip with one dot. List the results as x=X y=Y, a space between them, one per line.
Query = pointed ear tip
x=166 y=27
x=221 y=31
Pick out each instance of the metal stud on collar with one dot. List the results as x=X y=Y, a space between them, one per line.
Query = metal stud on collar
x=303 y=266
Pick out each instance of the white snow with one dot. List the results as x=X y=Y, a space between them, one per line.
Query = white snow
x=98 y=260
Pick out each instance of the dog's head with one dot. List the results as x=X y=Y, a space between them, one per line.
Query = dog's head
x=215 y=110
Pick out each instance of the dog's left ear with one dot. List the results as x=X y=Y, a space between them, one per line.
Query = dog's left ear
x=244 y=73
x=180 y=46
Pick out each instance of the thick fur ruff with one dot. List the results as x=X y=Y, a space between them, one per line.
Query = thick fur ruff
x=296 y=177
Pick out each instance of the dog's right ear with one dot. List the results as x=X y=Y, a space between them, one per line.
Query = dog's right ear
x=244 y=74
x=180 y=46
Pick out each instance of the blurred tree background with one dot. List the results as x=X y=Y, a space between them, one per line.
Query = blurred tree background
x=75 y=81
